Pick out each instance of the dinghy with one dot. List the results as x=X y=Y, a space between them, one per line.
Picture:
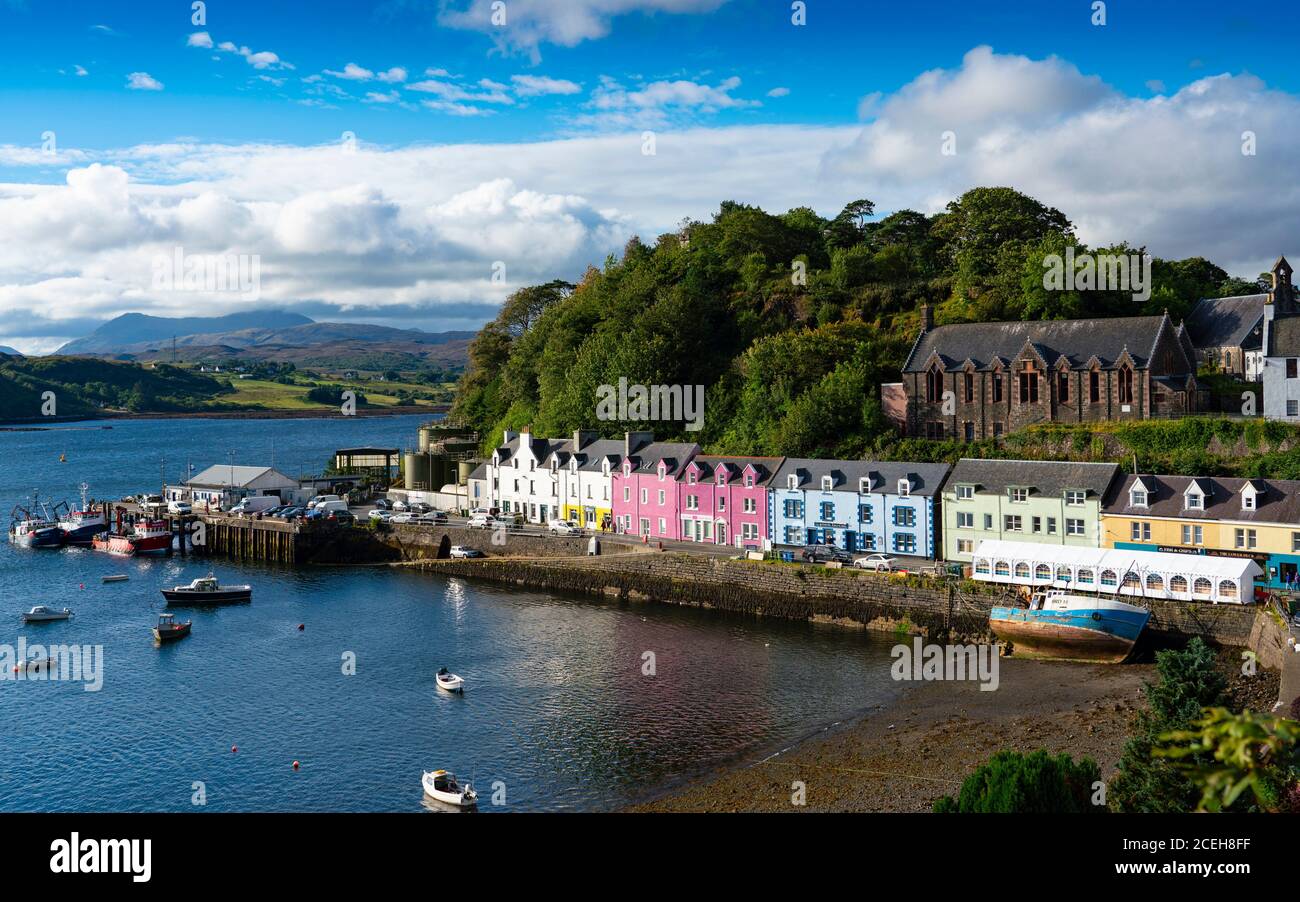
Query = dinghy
x=449 y=681
x=442 y=785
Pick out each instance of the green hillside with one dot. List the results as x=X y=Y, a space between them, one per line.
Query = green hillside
x=790 y=321
x=82 y=386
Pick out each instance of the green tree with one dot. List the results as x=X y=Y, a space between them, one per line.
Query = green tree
x=1224 y=754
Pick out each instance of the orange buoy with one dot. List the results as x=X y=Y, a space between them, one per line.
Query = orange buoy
x=295 y=765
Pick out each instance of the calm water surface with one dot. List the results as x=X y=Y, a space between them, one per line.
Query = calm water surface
x=556 y=709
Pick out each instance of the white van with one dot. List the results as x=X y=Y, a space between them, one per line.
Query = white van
x=255 y=504
x=319 y=500
x=325 y=508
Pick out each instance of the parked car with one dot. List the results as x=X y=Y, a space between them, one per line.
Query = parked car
x=420 y=507
x=255 y=504
x=486 y=521
x=179 y=508
x=383 y=504
x=153 y=504
x=432 y=518
x=344 y=518
x=464 y=552
x=563 y=528
x=399 y=507
x=380 y=514
x=817 y=553
x=291 y=513
x=881 y=563
x=399 y=519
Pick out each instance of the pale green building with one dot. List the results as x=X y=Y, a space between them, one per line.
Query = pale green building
x=1054 y=502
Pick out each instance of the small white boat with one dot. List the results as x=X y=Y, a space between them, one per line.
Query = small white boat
x=43 y=614
x=449 y=681
x=442 y=785
x=116 y=579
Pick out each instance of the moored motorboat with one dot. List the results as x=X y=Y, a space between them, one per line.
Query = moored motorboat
x=115 y=578
x=1071 y=627
x=169 y=630
x=43 y=614
x=206 y=590
x=443 y=786
x=449 y=682
x=151 y=537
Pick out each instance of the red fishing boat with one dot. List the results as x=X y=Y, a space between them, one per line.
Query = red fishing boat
x=146 y=537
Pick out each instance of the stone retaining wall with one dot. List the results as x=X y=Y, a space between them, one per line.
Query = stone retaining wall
x=847 y=597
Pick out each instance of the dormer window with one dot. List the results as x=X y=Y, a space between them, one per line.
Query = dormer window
x=1194 y=501
x=749 y=480
x=864 y=485
x=1249 y=496
x=690 y=478
x=792 y=481
x=722 y=478
x=1137 y=498
x=827 y=482
x=663 y=471
x=1018 y=495
x=904 y=488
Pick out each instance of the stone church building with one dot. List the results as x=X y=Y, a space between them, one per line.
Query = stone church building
x=971 y=381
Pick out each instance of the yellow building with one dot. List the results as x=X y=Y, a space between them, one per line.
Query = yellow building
x=1251 y=518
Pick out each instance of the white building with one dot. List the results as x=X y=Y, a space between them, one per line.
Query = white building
x=544 y=479
x=1281 y=371
x=1117 y=571
x=224 y=485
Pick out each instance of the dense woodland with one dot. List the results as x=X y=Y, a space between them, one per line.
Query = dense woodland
x=84 y=385
x=791 y=365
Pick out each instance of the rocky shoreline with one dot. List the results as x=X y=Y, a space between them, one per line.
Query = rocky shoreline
x=903 y=756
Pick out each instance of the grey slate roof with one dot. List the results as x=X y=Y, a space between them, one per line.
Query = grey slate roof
x=673 y=454
x=1284 y=337
x=1078 y=340
x=1044 y=477
x=592 y=454
x=1279 y=501
x=1227 y=322
x=845 y=474
x=480 y=472
x=766 y=467
x=235 y=477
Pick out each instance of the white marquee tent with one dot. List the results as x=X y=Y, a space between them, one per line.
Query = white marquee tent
x=1116 y=571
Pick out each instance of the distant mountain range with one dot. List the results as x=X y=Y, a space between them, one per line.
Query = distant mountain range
x=270 y=335
x=5 y=349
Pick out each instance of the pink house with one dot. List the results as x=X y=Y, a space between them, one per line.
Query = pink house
x=645 y=492
x=724 y=500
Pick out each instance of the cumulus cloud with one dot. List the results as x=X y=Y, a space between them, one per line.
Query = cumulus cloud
x=530 y=23
x=199 y=39
x=537 y=85
x=143 y=81
x=1167 y=171
x=261 y=59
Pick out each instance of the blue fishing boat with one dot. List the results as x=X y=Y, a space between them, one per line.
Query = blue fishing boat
x=1071 y=627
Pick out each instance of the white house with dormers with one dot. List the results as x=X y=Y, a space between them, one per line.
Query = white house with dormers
x=1281 y=371
x=544 y=479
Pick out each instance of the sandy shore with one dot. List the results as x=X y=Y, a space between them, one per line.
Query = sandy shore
x=904 y=756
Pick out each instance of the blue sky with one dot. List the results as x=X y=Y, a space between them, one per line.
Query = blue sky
x=127 y=131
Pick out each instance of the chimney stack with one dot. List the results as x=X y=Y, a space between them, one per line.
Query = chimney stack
x=635 y=441
x=582 y=438
x=927 y=318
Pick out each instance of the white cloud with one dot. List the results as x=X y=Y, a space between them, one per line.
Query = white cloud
x=659 y=103
x=448 y=91
x=80 y=70
x=143 y=81
x=779 y=92
x=530 y=23
x=538 y=85
x=392 y=76
x=261 y=59
x=352 y=72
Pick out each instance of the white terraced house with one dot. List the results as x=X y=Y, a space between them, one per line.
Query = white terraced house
x=543 y=479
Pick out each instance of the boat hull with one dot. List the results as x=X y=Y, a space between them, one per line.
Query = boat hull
x=178 y=599
x=83 y=535
x=50 y=537
x=1099 y=636
x=171 y=635
x=119 y=545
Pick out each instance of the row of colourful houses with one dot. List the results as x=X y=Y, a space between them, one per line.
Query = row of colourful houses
x=670 y=491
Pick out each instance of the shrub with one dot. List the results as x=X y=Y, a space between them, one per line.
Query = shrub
x=1037 y=783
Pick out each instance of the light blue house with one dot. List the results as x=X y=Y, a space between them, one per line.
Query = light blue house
x=857 y=505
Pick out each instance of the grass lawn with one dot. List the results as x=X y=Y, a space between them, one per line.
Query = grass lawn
x=275 y=396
